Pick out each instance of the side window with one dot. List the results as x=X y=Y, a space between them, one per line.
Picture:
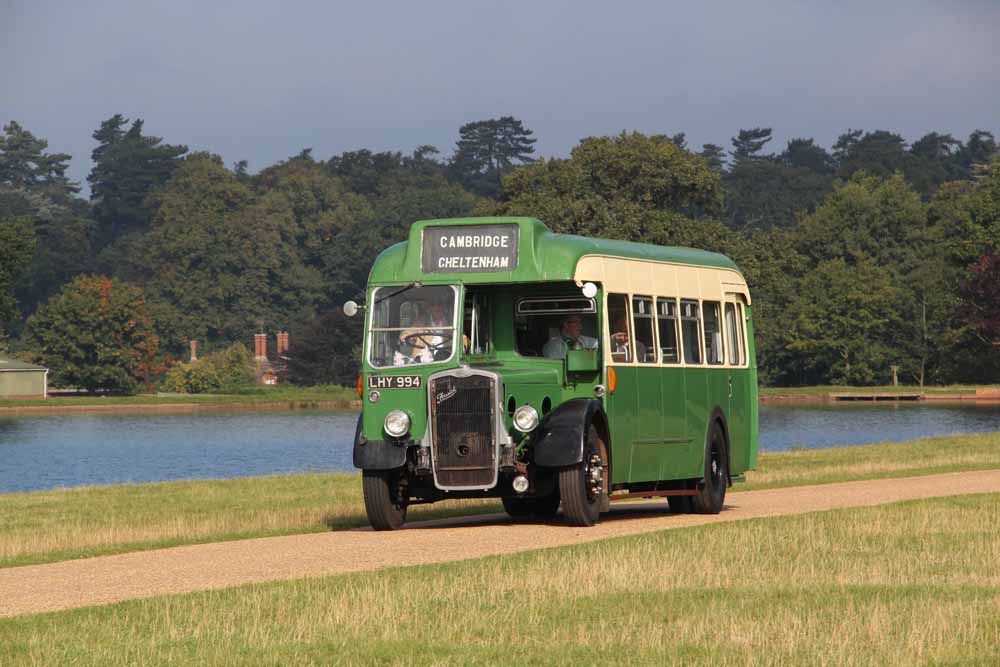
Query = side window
x=666 y=321
x=732 y=335
x=618 y=328
x=642 y=320
x=743 y=333
x=713 y=332
x=691 y=331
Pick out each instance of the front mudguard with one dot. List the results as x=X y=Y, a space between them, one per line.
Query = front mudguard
x=558 y=440
x=377 y=454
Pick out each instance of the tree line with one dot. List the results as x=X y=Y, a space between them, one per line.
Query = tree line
x=872 y=255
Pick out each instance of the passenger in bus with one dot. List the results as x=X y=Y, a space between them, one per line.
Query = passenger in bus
x=570 y=338
x=421 y=341
x=619 y=341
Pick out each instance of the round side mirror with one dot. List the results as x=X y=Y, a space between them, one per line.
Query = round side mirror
x=350 y=308
x=589 y=290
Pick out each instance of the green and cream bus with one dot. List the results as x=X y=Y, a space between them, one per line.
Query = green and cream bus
x=504 y=360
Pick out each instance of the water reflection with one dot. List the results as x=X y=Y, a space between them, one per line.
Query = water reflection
x=784 y=427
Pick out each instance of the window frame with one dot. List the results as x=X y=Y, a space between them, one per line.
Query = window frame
x=699 y=338
x=608 y=324
x=678 y=349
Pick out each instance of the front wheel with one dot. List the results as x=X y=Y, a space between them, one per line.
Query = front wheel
x=582 y=486
x=385 y=502
x=712 y=492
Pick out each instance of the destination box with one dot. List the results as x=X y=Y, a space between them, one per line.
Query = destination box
x=470 y=248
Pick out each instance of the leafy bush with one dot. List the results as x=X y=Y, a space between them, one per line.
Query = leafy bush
x=225 y=371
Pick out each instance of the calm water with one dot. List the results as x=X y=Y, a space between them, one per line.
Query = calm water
x=42 y=452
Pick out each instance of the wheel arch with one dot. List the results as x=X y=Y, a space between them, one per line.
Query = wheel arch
x=558 y=440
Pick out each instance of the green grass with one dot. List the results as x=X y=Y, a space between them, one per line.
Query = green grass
x=903 y=584
x=250 y=395
x=46 y=526
x=823 y=390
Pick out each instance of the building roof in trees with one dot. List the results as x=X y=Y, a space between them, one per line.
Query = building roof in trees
x=7 y=364
x=543 y=255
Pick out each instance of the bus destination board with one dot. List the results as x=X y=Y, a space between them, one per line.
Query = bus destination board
x=470 y=248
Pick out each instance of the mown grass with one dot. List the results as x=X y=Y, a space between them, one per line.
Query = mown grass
x=46 y=526
x=904 y=584
x=248 y=395
x=823 y=390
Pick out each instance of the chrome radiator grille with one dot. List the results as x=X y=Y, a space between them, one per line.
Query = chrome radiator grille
x=463 y=420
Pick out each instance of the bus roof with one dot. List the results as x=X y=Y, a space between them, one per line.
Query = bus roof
x=540 y=255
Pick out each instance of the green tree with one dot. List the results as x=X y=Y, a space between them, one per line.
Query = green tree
x=227 y=370
x=843 y=320
x=33 y=187
x=127 y=167
x=17 y=246
x=489 y=149
x=748 y=144
x=95 y=334
x=327 y=351
x=222 y=258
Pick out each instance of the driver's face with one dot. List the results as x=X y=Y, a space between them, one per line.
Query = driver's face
x=573 y=327
x=437 y=312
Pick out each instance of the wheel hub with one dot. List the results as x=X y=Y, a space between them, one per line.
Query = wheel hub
x=594 y=476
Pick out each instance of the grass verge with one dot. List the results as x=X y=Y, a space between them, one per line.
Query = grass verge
x=248 y=396
x=47 y=526
x=823 y=390
x=910 y=583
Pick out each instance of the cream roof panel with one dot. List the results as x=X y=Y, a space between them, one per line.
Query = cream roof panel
x=649 y=277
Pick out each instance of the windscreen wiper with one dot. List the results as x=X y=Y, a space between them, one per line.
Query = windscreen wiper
x=398 y=292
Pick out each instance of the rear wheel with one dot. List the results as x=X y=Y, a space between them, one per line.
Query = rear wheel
x=582 y=486
x=385 y=500
x=543 y=507
x=712 y=492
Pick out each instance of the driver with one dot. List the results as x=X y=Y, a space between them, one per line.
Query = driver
x=571 y=338
x=421 y=341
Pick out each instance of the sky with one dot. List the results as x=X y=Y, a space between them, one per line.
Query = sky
x=260 y=81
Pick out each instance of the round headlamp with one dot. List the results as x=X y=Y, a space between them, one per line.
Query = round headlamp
x=397 y=423
x=525 y=418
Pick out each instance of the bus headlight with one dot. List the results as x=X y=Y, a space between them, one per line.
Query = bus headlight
x=525 y=418
x=397 y=423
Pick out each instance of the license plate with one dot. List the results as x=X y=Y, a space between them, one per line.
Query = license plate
x=394 y=382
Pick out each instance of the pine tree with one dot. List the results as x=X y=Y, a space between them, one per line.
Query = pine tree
x=489 y=149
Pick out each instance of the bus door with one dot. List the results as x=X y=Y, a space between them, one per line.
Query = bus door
x=673 y=393
x=740 y=394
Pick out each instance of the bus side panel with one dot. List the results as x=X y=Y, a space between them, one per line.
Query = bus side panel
x=738 y=421
x=698 y=409
x=718 y=395
x=648 y=447
x=677 y=449
x=622 y=409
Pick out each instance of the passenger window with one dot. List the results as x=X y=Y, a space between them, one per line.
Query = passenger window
x=642 y=320
x=713 y=332
x=690 y=331
x=743 y=334
x=666 y=321
x=618 y=329
x=732 y=334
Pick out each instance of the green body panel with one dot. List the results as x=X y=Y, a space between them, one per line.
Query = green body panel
x=657 y=415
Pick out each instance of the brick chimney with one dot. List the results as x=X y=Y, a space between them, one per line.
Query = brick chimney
x=282 y=342
x=194 y=351
x=260 y=346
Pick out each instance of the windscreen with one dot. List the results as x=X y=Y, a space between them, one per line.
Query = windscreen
x=412 y=325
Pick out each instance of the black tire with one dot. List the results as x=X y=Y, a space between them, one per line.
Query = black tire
x=583 y=486
x=712 y=491
x=384 y=502
x=543 y=507
x=680 y=504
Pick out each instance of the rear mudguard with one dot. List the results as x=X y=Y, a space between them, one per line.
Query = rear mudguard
x=377 y=454
x=558 y=440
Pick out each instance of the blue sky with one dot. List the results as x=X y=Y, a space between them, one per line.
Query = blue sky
x=262 y=80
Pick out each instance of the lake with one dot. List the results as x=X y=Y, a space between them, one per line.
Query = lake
x=48 y=451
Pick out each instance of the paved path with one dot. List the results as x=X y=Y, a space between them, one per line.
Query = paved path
x=106 y=579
